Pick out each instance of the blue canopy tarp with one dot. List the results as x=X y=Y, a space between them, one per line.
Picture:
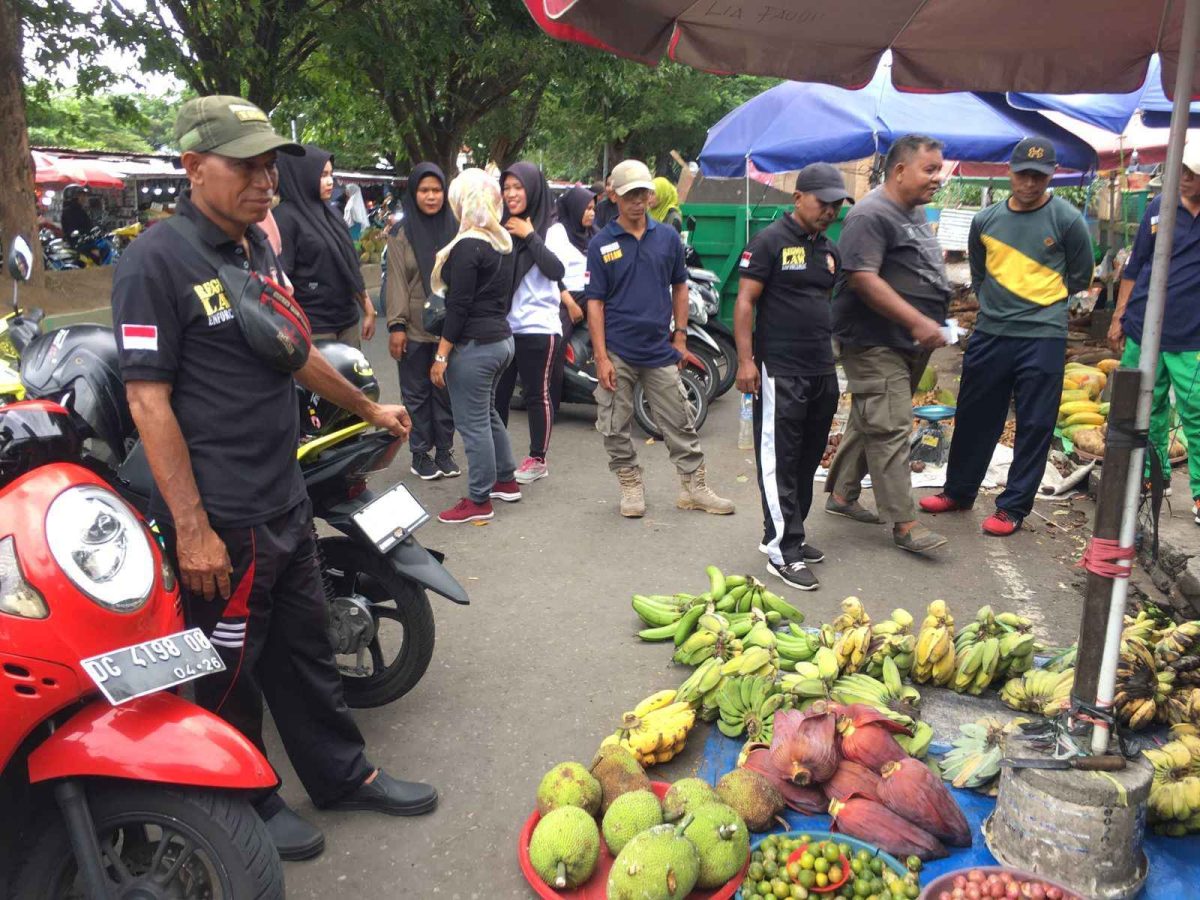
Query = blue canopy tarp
x=1112 y=112
x=794 y=124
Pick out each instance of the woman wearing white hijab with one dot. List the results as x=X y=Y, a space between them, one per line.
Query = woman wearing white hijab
x=474 y=272
x=356 y=212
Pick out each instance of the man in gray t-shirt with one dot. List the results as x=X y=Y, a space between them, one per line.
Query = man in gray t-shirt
x=887 y=318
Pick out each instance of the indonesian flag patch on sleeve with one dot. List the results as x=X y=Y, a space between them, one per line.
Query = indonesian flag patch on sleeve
x=745 y=262
x=139 y=337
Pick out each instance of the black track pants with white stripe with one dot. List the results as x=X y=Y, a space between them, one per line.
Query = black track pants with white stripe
x=792 y=415
x=272 y=634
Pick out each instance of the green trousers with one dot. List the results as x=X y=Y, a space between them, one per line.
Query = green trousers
x=1181 y=371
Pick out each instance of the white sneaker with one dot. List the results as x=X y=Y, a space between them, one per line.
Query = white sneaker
x=531 y=470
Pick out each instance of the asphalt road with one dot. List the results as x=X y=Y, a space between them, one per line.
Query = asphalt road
x=539 y=667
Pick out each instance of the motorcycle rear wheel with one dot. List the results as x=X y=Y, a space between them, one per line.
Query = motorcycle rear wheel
x=727 y=365
x=159 y=843
x=694 y=392
x=395 y=603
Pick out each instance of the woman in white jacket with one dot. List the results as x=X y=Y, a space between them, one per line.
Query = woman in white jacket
x=534 y=316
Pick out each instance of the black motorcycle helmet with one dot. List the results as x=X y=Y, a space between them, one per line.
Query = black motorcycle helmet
x=34 y=433
x=319 y=416
x=79 y=367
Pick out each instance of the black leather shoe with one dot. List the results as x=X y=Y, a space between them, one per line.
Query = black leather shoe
x=294 y=838
x=390 y=795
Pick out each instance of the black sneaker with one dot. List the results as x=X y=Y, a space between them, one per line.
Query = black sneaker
x=796 y=574
x=811 y=554
x=424 y=467
x=446 y=464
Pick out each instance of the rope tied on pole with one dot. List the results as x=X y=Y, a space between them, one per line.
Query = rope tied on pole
x=1103 y=557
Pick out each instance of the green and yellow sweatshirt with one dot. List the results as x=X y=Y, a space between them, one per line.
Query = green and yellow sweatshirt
x=1024 y=266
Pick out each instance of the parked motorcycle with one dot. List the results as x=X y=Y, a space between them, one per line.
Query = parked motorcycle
x=376 y=574
x=117 y=788
x=704 y=308
x=57 y=254
x=579 y=384
x=94 y=247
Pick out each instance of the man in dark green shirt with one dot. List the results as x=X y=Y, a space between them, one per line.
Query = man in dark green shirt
x=1028 y=254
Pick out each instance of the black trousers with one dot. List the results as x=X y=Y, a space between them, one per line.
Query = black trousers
x=998 y=370
x=429 y=406
x=540 y=366
x=271 y=633
x=792 y=415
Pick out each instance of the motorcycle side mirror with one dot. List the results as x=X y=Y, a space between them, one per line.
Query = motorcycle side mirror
x=20 y=260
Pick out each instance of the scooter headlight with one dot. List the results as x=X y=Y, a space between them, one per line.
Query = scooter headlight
x=101 y=547
x=17 y=596
x=697 y=310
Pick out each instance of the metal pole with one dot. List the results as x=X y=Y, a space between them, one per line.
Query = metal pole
x=747 y=164
x=1151 y=337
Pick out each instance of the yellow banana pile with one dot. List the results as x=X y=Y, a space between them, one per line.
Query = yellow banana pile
x=1142 y=691
x=933 y=658
x=656 y=729
x=854 y=642
x=1080 y=408
x=1039 y=691
x=893 y=639
x=1174 y=804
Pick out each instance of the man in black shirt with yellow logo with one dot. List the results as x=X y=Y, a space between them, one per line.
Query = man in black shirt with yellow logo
x=788 y=271
x=220 y=427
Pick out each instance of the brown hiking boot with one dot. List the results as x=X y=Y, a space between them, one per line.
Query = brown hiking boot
x=633 y=494
x=695 y=493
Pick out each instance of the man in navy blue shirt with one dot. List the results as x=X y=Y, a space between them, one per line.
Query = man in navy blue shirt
x=1179 y=361
x=636 y=282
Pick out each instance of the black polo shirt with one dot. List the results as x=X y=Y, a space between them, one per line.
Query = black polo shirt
x=793 y=326
x=239 y=416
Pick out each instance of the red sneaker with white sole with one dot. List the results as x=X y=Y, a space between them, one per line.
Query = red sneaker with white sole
x=942 y=503
x=1001 y=523
x=508 y=491
x=467 y=510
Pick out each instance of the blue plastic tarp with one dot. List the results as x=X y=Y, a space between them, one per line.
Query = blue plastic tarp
x=1174 y=862
x=1112 y=112
x=794 y=124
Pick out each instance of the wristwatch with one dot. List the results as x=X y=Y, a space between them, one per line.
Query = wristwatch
x=437 y=357
x=679 y=331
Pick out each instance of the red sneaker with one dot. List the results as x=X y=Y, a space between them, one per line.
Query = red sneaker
x=943 y=502
x=508 y=491
x=1001 y=523
x=467 y=510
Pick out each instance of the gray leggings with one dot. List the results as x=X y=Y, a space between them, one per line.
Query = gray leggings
x=471 y=376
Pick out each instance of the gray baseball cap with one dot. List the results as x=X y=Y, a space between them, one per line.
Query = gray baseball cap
x=229 y=126
x=824 y=182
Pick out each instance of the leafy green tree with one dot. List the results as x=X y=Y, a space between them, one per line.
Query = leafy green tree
x=128 y=122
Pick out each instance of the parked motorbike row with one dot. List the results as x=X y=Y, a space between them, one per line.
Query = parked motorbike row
x=81 y=250
x=128 y=789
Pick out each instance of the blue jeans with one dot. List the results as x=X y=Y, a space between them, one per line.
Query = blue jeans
x=997 y=369
x=472 y=374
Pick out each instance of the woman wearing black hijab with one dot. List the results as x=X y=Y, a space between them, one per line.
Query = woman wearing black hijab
x=427 y=225
x=318 y=255
x=530 y=218
x=577 y=214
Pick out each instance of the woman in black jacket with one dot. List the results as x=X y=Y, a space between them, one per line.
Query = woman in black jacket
x=318 y=255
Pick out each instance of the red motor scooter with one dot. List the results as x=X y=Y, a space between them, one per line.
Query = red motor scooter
x=113 y=787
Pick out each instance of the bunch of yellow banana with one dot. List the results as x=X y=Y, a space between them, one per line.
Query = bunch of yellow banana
x=892 y=638
x=977 y=667
x=890 y=696
x=1171 y=806
x=1142 y=691
x=1183 y=706
x=1176 y=801
x=812 y=680
x=748 y=706
x=704 y=678
x=1178 y=642
x=753 y=661
x=1140 y=629
x=656 y=729
x=711 y=638
x=1039 y=691
x=854 y=642
x=1174 y=760
x=916 y=746
x=933 y=657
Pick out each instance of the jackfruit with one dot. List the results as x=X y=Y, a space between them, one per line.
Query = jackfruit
x=928 y=380
x=564 y=847
x=685 y=795
x=618 y=772
x=658 y=864
x=753 y=798
x=722 y=842
x=568 y=784
x=630 y=815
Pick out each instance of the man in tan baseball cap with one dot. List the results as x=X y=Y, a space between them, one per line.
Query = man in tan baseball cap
x=229 y=126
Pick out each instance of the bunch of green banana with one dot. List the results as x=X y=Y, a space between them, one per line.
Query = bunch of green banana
x=1142 y=691
x=977 y=667
x=703 y=679
x=917 y=745
x=795 y=645
x=1039 y=691
x=752 y=661
x=933 y=657
x=662 y=612
x=712 y=637
x=893 y=638
x=975 y=760
x=747 y=706
x=890 y=696
x=1062 y=659
x=813 y=679
x=854 y=641
x=1178 y=642
x=1017 y=644
x=740 y=623
x=743 y=593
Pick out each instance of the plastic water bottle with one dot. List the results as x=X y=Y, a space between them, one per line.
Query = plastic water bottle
x=746 y=428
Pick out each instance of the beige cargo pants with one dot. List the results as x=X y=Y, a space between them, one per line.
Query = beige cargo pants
x=668 y=404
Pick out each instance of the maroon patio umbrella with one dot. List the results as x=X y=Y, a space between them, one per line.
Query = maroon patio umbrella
x=1034 y=46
